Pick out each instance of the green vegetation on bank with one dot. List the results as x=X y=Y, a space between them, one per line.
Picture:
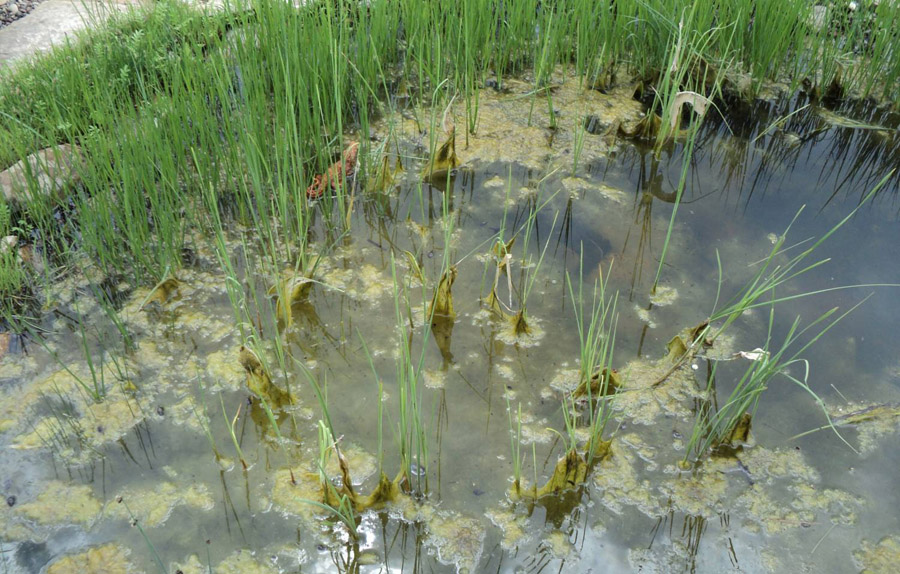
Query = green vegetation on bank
x=250 y=103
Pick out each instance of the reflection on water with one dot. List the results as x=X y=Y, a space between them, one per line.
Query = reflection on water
x=162 y=440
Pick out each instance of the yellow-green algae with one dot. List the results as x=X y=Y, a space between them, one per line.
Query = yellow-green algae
x=243 y=562
x=703 y=493
x=289 y=497
x=224 y=372
x=94 y=425
x=880 y=558
x=106 y=559
x=14 y=527
x=558 y=544
x=526 y=138
x=458 y=540
x=153 y=506
x=766 y=465
x=618 y=481
x=186 y=412
x=664 y=295
x=62 y=503
x=191 y=565
x=643 y=403
x=873 y=421
x=511 y=524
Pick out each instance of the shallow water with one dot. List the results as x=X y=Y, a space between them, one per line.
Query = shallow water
x=806 y=504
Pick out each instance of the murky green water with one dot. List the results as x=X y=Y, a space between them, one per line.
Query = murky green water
x=810 y=504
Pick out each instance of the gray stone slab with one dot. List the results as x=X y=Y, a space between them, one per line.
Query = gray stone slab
x=51 y=23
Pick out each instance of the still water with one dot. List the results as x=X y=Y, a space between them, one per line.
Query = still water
x=133 y=483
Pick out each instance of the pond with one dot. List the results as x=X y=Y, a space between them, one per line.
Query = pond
x=150 y=479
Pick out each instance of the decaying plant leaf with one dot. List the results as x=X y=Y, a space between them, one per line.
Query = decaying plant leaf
x=610 y=379
x=443 y=160
x=414 y=266
x=570 y=472
x=384 y=177
x=687 y=342
x=442 y=330
x=519 y=324
x=162 y=292
x=442 y=301
x=259 y=382
x=292 y=289
x=386 y=491
x=503 y=252
x=738 y=435
x=676 y=348
x=647 y=129
x=684 y=346
x=493 y=303
x=697 y=101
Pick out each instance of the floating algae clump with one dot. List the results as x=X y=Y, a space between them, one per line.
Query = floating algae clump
x=243 y=562
x=457 y=539
x=290 y=497
x=62 y=503
x=618 y=480
x=221 y=369
x=106 y=559
x=645 y=403
x=80 y=426
x=153 y=507
x=511 y=524
x=703 y=493
x=766 y=465
x=879 y=558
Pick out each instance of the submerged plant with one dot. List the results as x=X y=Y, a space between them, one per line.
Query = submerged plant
x=729 y=425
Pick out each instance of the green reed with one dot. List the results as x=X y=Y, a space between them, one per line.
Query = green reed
x=596 y=321
x=172 y=104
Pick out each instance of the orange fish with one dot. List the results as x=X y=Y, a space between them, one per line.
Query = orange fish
x=336 y=174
